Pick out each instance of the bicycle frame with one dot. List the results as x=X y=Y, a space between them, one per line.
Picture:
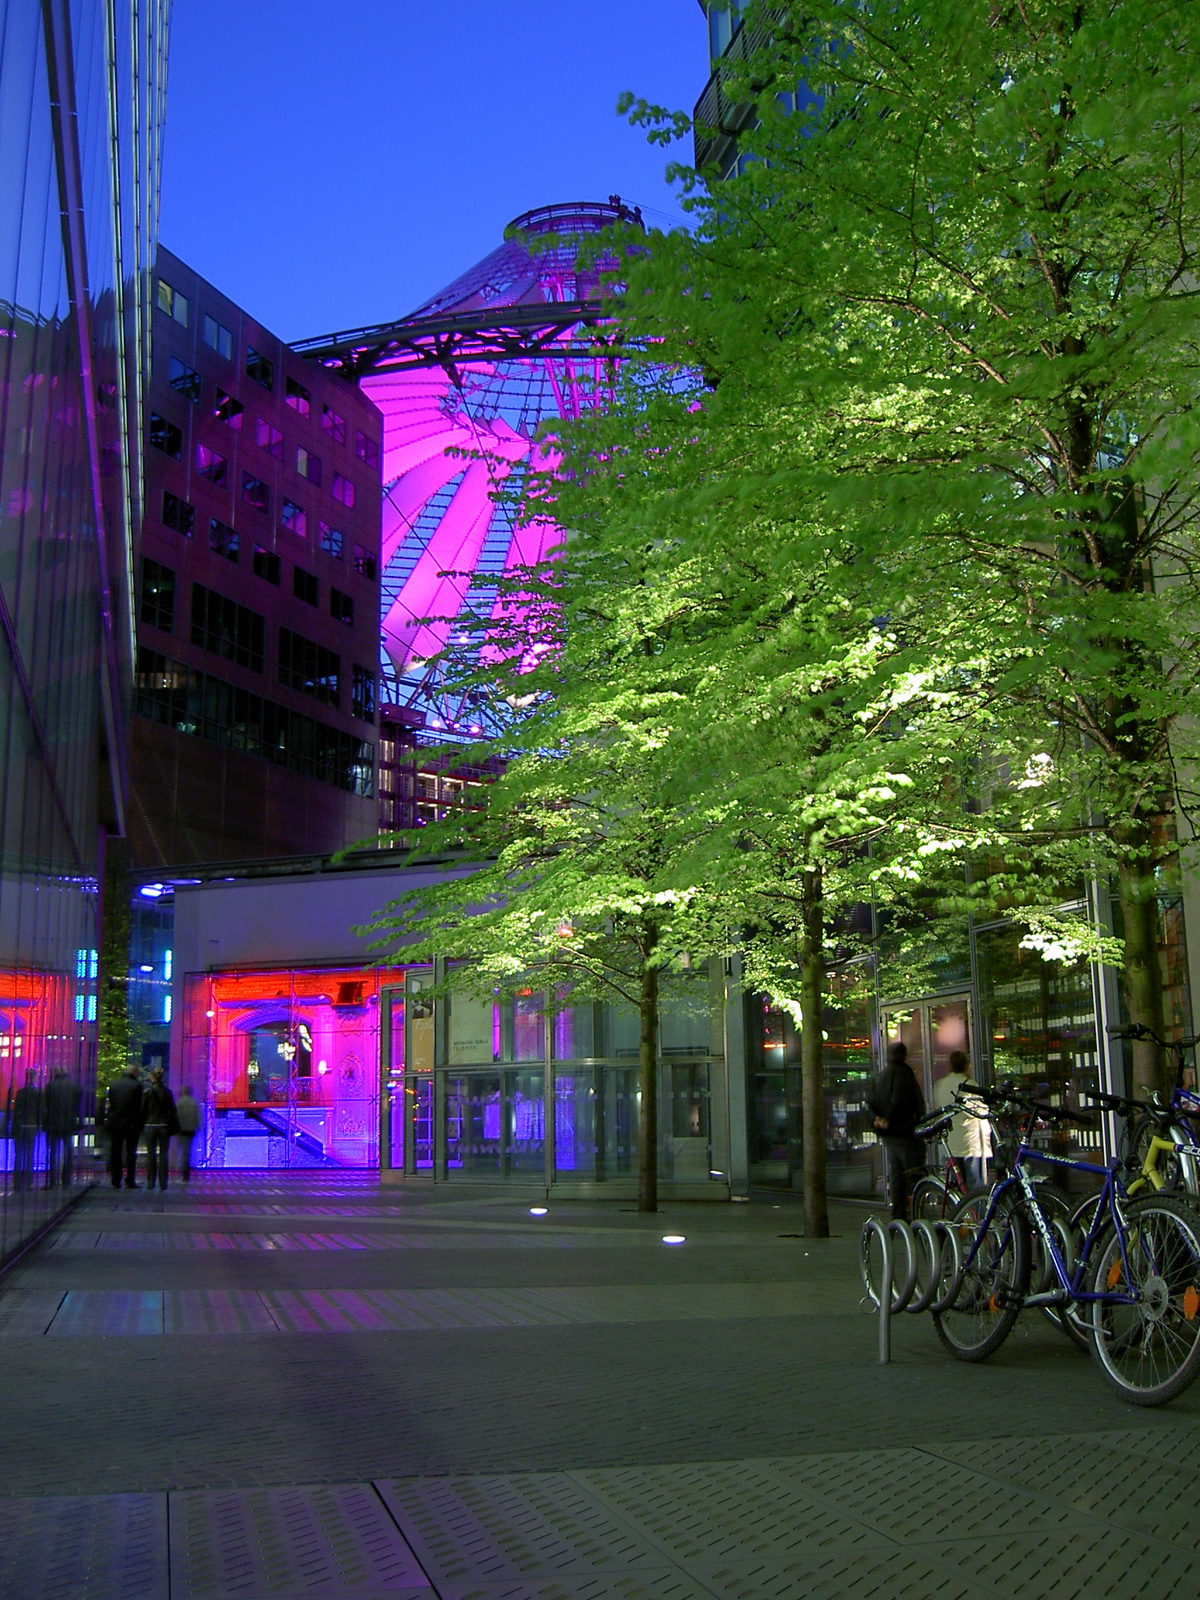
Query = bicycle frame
x=1069 y=1286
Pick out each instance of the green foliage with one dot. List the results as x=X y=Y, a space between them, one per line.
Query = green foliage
x=881 y=582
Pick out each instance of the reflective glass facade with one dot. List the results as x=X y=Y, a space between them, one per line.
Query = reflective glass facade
x=80 y=113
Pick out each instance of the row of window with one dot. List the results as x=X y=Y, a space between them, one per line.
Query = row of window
x=180 y=514
x=236 y=633
x=167 y=436
x=259 y=368
x=195 y=703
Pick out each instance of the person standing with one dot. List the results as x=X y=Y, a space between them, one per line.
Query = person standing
x=161 y=1121
x=970 y=1137
x=25 y=1121
x=125 y=1125
x=62 y=1122
x=187 y=1110
x=899 y=1105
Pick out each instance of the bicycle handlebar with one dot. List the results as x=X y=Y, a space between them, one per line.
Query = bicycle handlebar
x=1006 y=1094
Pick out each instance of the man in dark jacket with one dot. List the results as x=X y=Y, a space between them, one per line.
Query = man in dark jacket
x=61 y=1120
x=125 y=1126
x=161 y=1120
x=25 y=1119
x=899 y=1105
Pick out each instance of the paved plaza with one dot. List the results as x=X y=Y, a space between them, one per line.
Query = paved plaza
x=275 y=1387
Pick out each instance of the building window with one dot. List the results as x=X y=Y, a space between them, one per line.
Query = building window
x=210 y=465
x=165 y=436
x=364 y=562
x=294 y=519
x=266 y=564
x=255 y=493
x=173 y=303
x=269 y=439
x=178 y=514
x=259 y=368
x=208 y=708
x=342 y=489
x=362 y=695
x=309 y=667
x=227 y=629
x=341 y=605
x=184 y=380
x=308 y=466
x=331 y=541
x=334 y=425
x=298 y=397
x=158 y=595
x=366 y=449
x=222 y=539
x=217 y=337
x=229 y=411
x=305 y=586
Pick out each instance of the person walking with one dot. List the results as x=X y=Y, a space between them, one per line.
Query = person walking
x=25 y=1121
x=970 y=1138
x=187 y=1111
x=62 y=1122
x=161 y=1121
x=899 y=1105
x=125 y=1126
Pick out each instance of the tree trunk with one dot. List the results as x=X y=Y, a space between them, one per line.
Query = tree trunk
x=1141 y=977
x=648 y=1083
x=812 y=1057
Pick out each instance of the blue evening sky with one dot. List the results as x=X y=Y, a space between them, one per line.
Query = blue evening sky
x=332 y=164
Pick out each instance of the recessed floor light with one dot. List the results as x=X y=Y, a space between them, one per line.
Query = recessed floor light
x=538 y=1211
x=674 y=1238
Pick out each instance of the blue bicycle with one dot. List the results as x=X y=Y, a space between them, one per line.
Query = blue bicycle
x=1132 y=1289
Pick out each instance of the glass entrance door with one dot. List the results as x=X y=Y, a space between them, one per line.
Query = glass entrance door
x=933 y=1030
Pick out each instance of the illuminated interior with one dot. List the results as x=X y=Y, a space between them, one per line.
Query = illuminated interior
x=287 y=1065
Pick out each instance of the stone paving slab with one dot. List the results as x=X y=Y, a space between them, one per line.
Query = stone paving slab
x=84 y=1547
x=337 y=1542
x=29 y=1311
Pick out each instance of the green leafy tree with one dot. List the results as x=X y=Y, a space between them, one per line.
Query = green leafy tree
x=571 y=868
x=948 y=310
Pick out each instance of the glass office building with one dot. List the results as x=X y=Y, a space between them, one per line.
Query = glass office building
x=81 y=101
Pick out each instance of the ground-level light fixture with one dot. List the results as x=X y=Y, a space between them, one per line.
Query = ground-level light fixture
x=674 y=1238
x=538 y=1211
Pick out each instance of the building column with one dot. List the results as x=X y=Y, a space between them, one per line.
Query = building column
x=735 y=1080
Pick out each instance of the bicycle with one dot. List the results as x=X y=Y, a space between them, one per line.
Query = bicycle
x=933 y=1195
x=1155 y=1120
x=1137 y=1275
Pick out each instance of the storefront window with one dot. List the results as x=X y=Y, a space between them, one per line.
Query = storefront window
x=496 y=1124
x=687 y=1153
x=1038 y=1022
x=596 y=1123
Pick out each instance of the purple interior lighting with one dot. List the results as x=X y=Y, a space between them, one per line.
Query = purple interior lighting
x=463 y=391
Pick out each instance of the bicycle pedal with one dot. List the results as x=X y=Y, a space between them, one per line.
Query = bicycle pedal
x=1004 y=1297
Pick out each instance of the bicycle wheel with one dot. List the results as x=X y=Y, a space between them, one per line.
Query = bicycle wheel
x=1149 y=1350
x=931 y=1200
x=993 y=1282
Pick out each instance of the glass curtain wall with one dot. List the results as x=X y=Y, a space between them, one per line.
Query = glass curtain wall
x=523 y=1090
x=80 y=114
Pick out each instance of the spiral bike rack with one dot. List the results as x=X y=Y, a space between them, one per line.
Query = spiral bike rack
x=924 y=1244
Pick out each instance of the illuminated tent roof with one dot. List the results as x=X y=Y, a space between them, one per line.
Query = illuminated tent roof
x=463 y=383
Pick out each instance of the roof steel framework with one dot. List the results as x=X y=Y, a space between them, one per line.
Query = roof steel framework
x=464 y=382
